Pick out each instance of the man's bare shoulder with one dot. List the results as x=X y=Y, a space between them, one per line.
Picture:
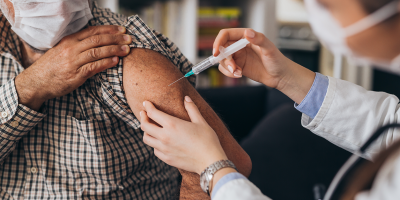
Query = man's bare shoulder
x=146 y=76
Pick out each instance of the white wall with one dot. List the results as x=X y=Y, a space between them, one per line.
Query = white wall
x=111 y=4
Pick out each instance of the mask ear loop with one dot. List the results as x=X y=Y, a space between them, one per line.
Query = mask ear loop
x=373 y=19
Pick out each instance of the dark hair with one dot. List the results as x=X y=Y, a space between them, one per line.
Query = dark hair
x=373 y=5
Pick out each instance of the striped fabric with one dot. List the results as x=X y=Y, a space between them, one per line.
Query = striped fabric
x=84 y=145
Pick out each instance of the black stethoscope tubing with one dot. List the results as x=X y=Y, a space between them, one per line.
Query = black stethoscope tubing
x=355 y=158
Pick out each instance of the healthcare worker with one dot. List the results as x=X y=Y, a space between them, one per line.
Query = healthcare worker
x=365 y=31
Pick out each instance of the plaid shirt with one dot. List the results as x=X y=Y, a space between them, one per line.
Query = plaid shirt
x=84 y=145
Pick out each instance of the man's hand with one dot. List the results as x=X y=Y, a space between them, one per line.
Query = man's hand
x=70 y=63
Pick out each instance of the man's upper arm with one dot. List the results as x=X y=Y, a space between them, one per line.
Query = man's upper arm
x=146 y=76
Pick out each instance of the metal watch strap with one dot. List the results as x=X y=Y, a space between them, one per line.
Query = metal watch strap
x=208 y=174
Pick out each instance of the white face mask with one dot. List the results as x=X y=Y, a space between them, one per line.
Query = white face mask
x=333 y=35
x=43 y=23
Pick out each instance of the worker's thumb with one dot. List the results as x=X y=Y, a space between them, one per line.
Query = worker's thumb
x=193 y=111
x=260 y=40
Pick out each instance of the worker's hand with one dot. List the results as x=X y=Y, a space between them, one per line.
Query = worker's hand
x=70 y=63
x=263 y=62
x=260 y=60
x=191 y=146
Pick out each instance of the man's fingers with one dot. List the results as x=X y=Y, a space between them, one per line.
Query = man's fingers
x=193 y=111
x=95 y=54
x=156 y=115
x=97 y=30
x=149 y=127
x=103 y=40
x=90 y=69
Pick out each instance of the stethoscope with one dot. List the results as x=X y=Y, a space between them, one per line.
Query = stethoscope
x=351 y=163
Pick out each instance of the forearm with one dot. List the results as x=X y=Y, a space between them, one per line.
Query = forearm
x=191 y=182
x=296 y=81
x=219 y=174
x=27 y=95
x=16 y=120
x=232 y=149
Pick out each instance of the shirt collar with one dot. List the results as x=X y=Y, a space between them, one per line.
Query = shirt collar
x=104 y=16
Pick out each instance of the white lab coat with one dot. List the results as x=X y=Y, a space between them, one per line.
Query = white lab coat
x=347 y=118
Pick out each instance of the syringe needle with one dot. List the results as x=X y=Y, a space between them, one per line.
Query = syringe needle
x=176 y=81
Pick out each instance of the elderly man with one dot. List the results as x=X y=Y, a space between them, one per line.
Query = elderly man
x=68 y=104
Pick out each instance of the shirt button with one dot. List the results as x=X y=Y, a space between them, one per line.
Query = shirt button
x=33 y=170
x=4 y=114
x=14 y=124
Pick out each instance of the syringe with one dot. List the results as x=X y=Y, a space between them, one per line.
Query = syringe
x=211 y=61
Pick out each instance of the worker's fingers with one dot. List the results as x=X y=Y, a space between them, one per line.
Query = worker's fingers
x=233 y=68
x=260 y=40
x=252 y=36
x=152 y=141
x=226 y=35
x=225 y=71
x=230 y=69
x=97 y=30
x=149 y=127
x=162 y=156
x=193 y=111
x=158 y=116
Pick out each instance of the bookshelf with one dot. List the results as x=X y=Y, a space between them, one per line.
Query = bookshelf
x=185 y=23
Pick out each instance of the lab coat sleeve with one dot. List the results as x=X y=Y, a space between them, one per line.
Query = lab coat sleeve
x=239 y=189
x=315 y=96
x=16 y=120
x=350 y=114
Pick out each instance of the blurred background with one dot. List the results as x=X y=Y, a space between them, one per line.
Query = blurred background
x=246 y=106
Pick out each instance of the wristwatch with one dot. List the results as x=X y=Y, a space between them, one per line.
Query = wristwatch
x=207 y=175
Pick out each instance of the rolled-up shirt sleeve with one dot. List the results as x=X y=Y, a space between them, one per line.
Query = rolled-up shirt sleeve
x=315 y=96
x=15 y=119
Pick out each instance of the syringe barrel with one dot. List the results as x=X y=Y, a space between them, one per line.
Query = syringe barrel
x=210 y=61
x=233 y=48
x=203 y=65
